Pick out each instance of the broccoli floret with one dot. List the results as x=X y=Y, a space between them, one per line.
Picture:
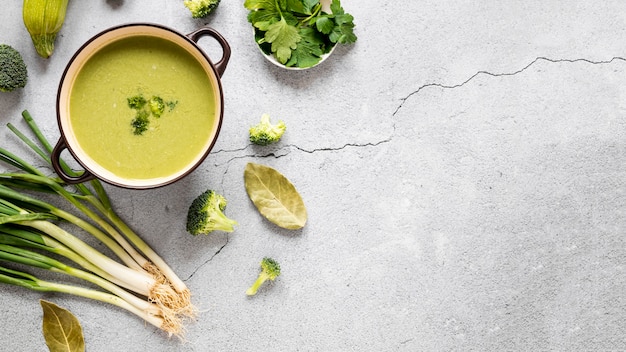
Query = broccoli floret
x=265 y=133
x=206 y=214
x=140 y=122
x=144 y=108
x=201 y=8
x=270 y=269
x=137 y=102
x=157 y=106
x=13 y=73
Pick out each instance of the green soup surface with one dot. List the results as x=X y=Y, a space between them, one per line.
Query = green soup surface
x=145 y=66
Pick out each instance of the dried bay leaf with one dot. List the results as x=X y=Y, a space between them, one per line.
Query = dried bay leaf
x=275 y=196
x=61 y=329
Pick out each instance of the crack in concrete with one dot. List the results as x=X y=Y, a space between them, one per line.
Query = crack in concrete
x=286 y=150
x=505 y=74
x=347 y=145
x=406 y=341
x=206 y=261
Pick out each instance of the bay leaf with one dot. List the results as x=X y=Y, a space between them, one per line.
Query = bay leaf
x=275 y=196
x=61 y=329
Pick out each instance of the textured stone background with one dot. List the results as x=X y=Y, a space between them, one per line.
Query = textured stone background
x=463 y=164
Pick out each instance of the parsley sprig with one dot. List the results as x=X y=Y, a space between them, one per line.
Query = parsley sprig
x=299 y=32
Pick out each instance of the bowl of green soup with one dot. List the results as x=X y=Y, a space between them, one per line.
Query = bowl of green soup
x=140 y=106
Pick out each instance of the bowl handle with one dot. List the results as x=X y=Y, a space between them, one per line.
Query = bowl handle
x=220 y=66
x=60 y=171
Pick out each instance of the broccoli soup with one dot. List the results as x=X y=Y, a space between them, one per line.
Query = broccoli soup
x=142 y=108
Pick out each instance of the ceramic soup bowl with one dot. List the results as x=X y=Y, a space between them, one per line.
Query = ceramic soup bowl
x=139 y=106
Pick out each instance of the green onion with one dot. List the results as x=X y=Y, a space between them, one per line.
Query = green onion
x=102 y=203
x=23 y=256
x=18 y=278
x=137 y=281
x=142 y=282
x=119 y=246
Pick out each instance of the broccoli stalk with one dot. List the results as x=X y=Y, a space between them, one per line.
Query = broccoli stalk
x=265 y=133
x=270 y=269
x=201 y=8
x=13 y=73
x=206 y=214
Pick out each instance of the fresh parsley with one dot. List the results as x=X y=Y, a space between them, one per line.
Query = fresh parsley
x=298 y=32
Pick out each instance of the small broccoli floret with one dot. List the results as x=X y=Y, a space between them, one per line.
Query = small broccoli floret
x=140 y=122
x=206 y=214
x=265 y=133
x=270 y=269
x=13 y=73
x=201 y=8
x=137 y=102
x=157 y=106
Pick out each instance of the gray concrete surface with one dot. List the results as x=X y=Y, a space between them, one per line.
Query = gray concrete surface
x=463 y=164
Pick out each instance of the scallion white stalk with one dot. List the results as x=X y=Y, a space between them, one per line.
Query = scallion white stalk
x=17 y=278
x=24 y=256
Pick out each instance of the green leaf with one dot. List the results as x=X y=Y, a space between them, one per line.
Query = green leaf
x=324 y=24
x=309 y=50
x=284 y=38
x=310 y=4
x=343 y=33
x=259 y=37
x=263 y=26
x=344 y=20
x=61 y=329
x=291 y=19
x=275 y=196
x=335 y=7
x=262 y=12
x=8 y=219
x=259 y=4
x=297 y=6
x=263 y=19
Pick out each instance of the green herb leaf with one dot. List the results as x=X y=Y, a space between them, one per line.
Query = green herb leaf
x=262 y=13
x=284 y=38
x=61 y=329
x=259 y=4
x=298 y=7
x=280 y=23
x=324 y=24
x=335 y=7
x=310 y=4
x=309 y=50
x=343 y=31
x=275 y=196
